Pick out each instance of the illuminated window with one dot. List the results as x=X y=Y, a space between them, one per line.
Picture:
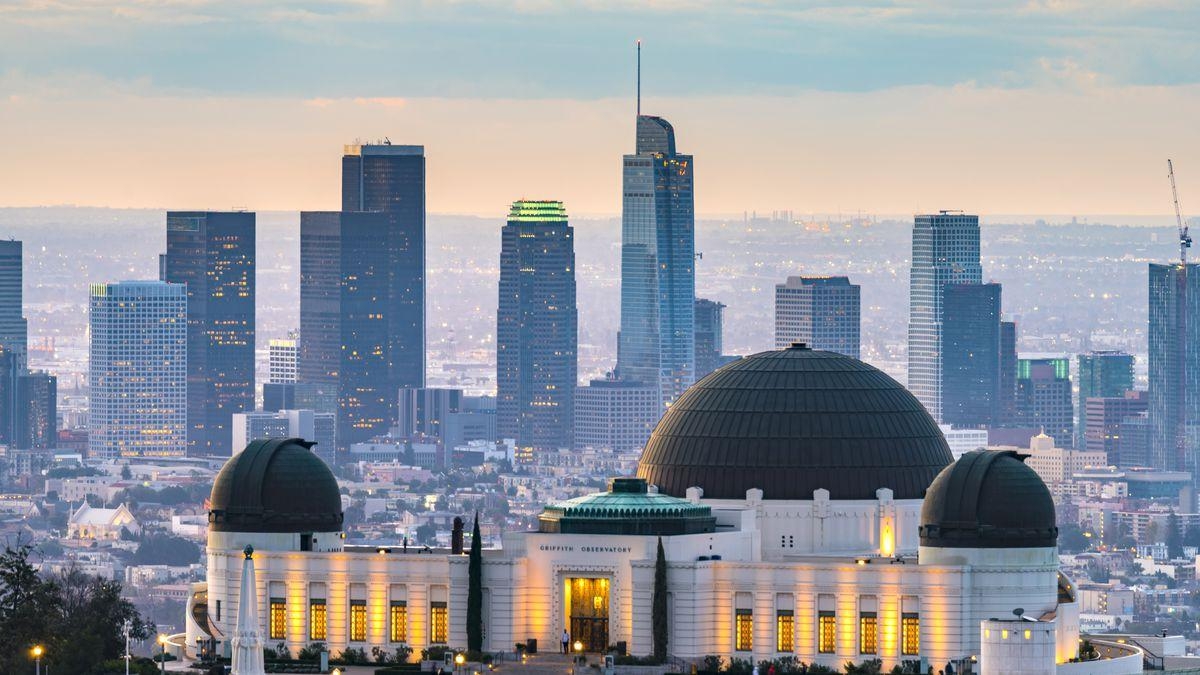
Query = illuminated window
x=358 y=620
x=399 y=617
x=868 y=633
x=784 y=630
x=278 y=619
x=910 y=634
x=316 y=620
x=826 y=633
x=438 y=622
x=744 y=631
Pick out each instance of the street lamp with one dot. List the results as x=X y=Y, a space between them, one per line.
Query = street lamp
x=37 y=652
x=459 y=659
x=578 y=650
x=162 y=662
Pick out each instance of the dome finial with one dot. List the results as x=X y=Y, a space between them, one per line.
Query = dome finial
x=249 y=551
x=799 y=345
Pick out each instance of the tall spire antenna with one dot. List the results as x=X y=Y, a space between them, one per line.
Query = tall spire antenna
x=639 y=77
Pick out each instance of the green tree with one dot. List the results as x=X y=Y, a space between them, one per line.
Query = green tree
x=162 y=549
x=475 y=591
x=1071 y=539
x=658 y=605
x=1174 y=537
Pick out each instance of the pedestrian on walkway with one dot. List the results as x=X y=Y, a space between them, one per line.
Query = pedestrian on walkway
x=566 y=642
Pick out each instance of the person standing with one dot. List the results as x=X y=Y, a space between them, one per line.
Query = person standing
x=566 y=642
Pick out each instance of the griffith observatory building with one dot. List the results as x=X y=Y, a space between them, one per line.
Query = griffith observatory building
x=807 y=504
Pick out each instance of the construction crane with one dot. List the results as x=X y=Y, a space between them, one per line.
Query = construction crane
x=1185 y=240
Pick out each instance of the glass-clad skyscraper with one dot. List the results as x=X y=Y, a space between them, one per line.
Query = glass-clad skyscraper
x=945 y=250
x=14 y=330
x=1101 y=374
x=138 y=370
x=213 y=255
x=971 y=355
x=1174 y=360
x=656 y=345
x=391 y=178
x=537 y=328
x=822 y=312
x=346 y=307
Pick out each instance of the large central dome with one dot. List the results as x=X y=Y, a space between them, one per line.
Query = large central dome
x=793 y=421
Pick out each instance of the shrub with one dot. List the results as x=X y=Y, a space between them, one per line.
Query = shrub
x=435 y=653
x=353 y=657
x=311 y=652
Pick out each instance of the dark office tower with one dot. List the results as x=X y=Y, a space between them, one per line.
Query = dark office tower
x=14 y=331
x=347 y=302
x=10 y=370
x=1105 y=419
x=422 y=411
x=970 y=355
x=536 y=328
x=822 y=312
x=656 y=344
x=1174 y=351
x=213 y=255
x=391 y=179
x=37 y=411
x=1044 y=398
x=1007 y=404
x=1102 y=374
x=710 y=321
x=945 y=251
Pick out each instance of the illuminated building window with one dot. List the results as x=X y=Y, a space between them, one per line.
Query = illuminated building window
x=399 y=618
x=910 y=634
x=826 y=633
x=868 y=633
x=439 y=623
x=744 y=630
x=784 y=630
x=358 y=620
x=278 y=619
x=316 y=620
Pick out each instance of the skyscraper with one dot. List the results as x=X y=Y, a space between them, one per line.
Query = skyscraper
x=614 y=415
x=537 y=327
x=1105 y=420
x=35 y=424
x=347 y=302
x=213 y=255
x=822 y=312
x=710 y=326
x=1044 y=398
x=1101 y=374
x=138 y=370
x=1007 y=403
x=1174 y=360
x=970 y=355
x=656 y=343
x=391 y=179
x=14 y=330
x=945 y=250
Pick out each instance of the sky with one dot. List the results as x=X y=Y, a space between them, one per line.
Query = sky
x=1022 y=107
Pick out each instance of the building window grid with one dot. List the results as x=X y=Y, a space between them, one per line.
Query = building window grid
x=826 y=633
x=316 y=620
x=910 y=634
x=868 y=633
x=399 y=621
x=744 y=630
x=278 y=619
x=438 y=623
x=785 y=631
x=358 y=620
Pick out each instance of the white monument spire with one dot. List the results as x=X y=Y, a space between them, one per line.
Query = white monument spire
x=247 y=639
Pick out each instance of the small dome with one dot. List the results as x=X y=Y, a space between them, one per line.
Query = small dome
x=988 y=499
x=275 y=485
x=793 y=421
x=627 y=508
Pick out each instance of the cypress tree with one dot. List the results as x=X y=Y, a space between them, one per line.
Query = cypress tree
x=658 y=609
x=475 y=591
x=1174 y=537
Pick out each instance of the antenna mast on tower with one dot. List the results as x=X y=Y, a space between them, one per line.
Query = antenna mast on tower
x=639 y=77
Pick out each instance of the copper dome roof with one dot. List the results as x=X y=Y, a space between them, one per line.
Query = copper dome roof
x=790 y=422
